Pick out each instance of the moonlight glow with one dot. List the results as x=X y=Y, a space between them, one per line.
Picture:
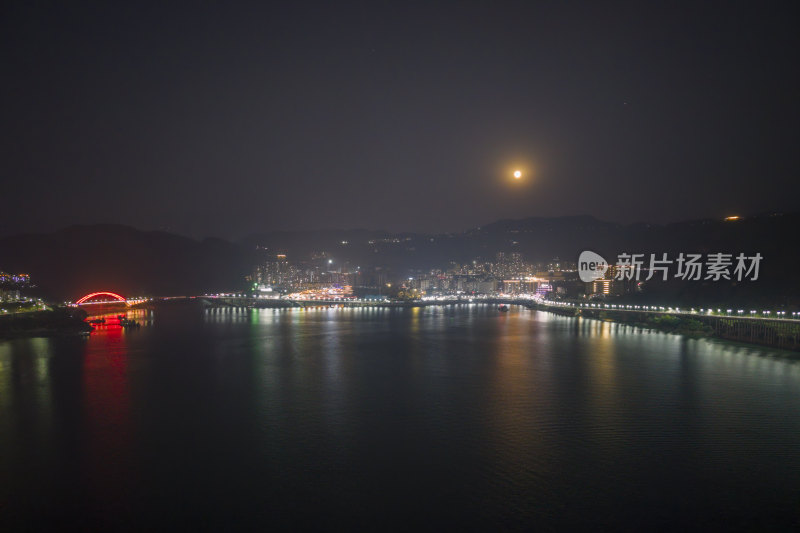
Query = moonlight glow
x=517 y=174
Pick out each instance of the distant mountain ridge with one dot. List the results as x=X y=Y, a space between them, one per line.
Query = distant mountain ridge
x=80 y=259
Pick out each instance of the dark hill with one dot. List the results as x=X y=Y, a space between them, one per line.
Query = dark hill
x=81 y=259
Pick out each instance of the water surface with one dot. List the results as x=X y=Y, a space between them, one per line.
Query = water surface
x=423 y=417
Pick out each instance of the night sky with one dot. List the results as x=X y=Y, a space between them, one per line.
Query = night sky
x=209 y=119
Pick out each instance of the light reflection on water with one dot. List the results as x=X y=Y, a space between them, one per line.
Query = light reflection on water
x=467 y=415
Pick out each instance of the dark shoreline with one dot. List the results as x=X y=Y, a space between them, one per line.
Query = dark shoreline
x=58 y=322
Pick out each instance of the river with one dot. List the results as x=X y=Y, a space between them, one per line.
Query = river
x=428 y=418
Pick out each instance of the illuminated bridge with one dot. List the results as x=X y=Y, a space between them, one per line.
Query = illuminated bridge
x=106 y=298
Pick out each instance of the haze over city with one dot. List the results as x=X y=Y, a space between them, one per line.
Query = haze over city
x=219 y=120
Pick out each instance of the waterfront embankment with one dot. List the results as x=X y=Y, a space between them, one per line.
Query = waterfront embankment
x=777 y=333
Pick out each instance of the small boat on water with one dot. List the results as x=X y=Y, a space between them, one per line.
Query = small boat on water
x=127 y=323
x=503 y=308
x=97 y=321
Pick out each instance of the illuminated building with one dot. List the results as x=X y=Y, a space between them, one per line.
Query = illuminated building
x=601 y=286
x=17 y=279
x=543 y=288
x=487 y=286
x=9 y=295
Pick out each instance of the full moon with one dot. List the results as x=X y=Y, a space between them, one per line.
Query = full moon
x=517 y=174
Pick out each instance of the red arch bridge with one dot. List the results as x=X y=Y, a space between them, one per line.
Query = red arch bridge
x=106 y=297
